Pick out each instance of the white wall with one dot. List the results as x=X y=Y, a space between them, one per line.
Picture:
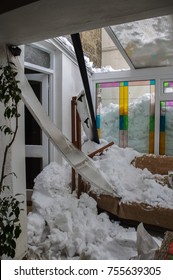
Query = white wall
x=16 y=163
x=71 y=86
x=68 y=83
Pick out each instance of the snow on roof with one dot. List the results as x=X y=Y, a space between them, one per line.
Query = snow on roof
x=89 y=64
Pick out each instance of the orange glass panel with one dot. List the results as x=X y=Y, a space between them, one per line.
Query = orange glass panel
x=151 y=143
x=162 y=143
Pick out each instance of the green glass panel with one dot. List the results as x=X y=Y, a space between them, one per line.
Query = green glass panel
x=165 y=84
x=152 y=123
x=125 y=122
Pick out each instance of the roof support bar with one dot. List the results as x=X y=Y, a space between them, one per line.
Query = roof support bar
x=81 y=62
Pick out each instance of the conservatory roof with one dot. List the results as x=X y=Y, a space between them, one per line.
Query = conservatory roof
x=27 y=21
x=145 y=43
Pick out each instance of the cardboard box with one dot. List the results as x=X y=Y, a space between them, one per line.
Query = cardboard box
x=141 y=212
x=155 y=164
x=138 y=212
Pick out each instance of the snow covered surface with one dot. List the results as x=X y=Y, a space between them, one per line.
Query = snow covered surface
x=64 y=227
x=89 y=64
x=132 y=184
x=147 y=42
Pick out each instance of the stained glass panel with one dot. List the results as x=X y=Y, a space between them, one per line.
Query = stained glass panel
x=125 y=113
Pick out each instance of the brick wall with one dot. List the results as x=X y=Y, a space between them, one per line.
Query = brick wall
x=92 y=45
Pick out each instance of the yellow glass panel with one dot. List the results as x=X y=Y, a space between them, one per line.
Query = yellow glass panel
x=126 y=100
x=121 y=100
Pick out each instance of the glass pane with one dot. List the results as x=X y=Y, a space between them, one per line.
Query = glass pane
x=33 y=133
x=149 y=42
x=168 y=87
x=166 y=128
x=33 y=167
x=125 y=114
x=36 y=56
x=139 y=117
x=108 y=111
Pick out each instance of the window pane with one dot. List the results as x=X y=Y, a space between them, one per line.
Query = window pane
x=166 y=128
x=36 y=56
x=168 y=87
x=33 y=167
x=108 y=111
x=33 y=133
x=139 y=117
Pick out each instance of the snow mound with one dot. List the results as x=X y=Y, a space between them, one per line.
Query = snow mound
x=64 y=227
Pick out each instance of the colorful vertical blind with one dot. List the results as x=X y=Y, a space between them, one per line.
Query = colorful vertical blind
x=125 y=113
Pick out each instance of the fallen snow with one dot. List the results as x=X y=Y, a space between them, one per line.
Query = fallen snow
x=64 y=227
x=138 y=122
x=132 y=184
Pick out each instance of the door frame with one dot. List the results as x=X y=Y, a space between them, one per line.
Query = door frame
x=40 y=150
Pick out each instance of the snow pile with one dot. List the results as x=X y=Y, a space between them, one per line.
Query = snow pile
x=66 y=43
x=64 y=227
x=109 y=122
x=107 y=68
x=138 y=123
x=132 y=184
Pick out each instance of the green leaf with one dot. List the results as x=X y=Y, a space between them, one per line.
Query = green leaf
x=17 y=232
x=7 y=130
x=9 y=238
x=12 y=253
x=5 y=249
x=13 y=244
x=7 y=229
x=11 y=214
x=17 y=212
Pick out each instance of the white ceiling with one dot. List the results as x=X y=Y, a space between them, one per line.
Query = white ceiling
x=43 y=19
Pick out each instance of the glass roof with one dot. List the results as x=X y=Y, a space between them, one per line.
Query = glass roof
x=147 y=43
